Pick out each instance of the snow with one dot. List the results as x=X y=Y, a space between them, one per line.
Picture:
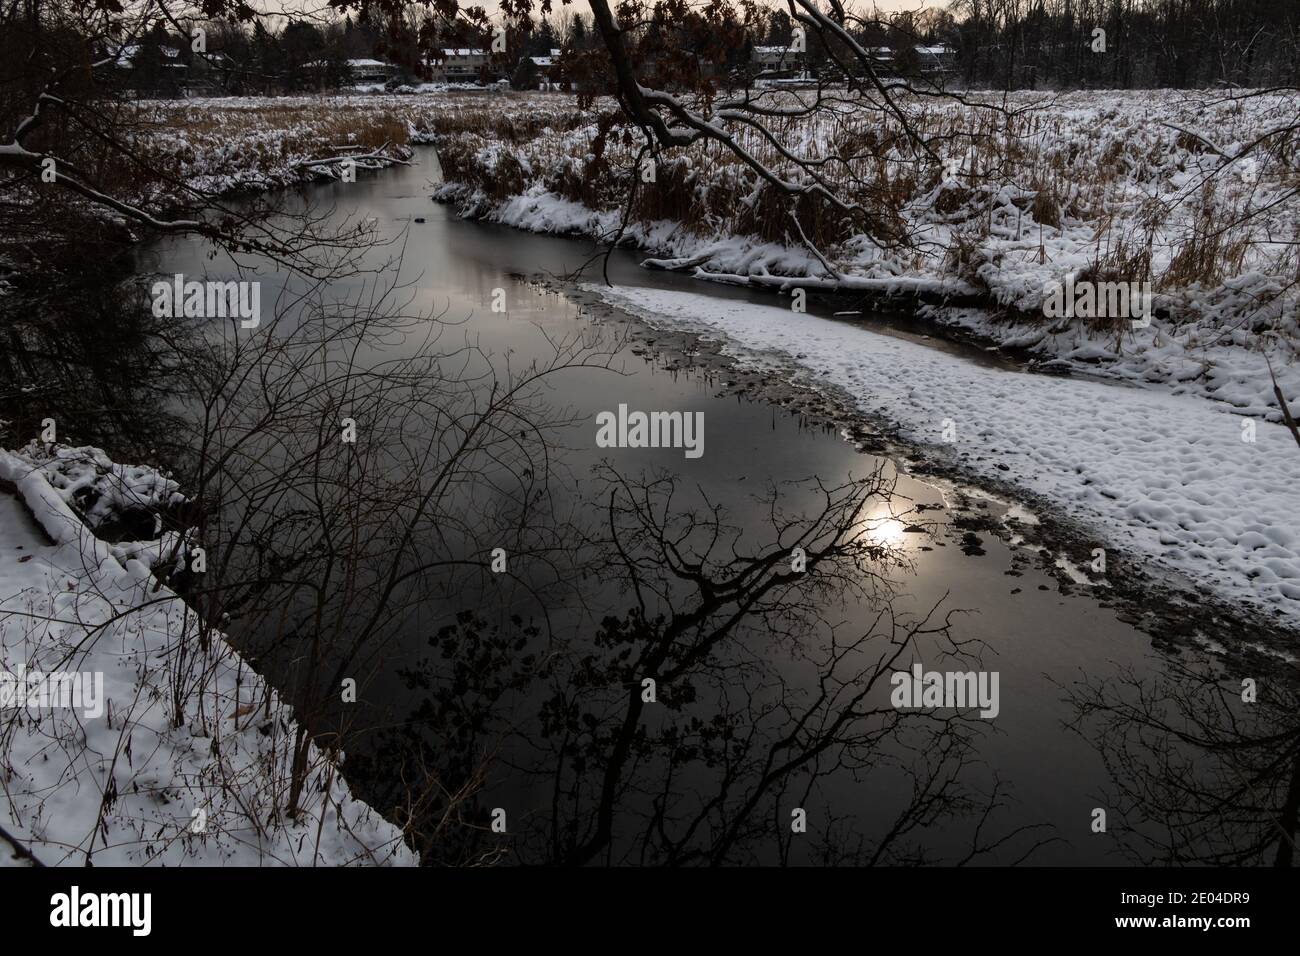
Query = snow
x=1163 y=475
x=132 y=786
x=1113 y=176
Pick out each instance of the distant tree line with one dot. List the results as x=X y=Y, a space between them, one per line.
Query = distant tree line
x=1027 y=44
x=248 y=59
x=1001 y=44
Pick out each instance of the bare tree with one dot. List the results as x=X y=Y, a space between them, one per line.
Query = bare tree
x=1204 y=763
x=686 y=729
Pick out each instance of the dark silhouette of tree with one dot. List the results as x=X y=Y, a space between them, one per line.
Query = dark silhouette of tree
x=710 y=770
x=525 y=75
x=578 y=36
x=1199 y=774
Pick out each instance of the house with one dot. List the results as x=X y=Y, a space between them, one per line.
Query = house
x=882 y=57
x=213 y=72
x=546 y=68
x=364 y=70
x=131 y=54
x=937 y=59
x=775 y=59
x=461 y=65
x=925 y=60
x=157 y=69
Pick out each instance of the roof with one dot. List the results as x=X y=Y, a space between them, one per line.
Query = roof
x=366 y=64
x=464 y=51
x=126 y=57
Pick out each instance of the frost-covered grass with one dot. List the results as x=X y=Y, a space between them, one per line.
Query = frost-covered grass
x=1185 y=190
x=183 y=154
x=221 y=145
x=233 y=143
x=190 y=761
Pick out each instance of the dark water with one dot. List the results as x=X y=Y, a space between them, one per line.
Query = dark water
x=547 y=770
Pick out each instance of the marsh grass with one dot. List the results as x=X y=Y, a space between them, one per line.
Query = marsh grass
x=1048 y=180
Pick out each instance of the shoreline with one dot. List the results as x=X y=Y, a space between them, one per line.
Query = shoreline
x=949 y=306
x=1162 y=602
x=212 y=740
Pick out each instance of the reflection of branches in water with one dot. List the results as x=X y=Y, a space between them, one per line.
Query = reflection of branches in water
x=763 y=705
x=322 y=550
x=331 y=547
x=91 y=355
x=1198 y=775
x=470 y=690
x=740 y=739
x=93 y=359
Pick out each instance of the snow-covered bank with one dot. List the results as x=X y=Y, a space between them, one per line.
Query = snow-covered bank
x=1191 y=191
x=255 y=143
x=190 y=760
x=188 y=152
x=1153 y=473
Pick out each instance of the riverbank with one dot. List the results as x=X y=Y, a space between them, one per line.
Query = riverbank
x=1195 y=527
x=1032 y=627
x=224 y=145
x=1193 y=192
x=194 y=154
x=182 y=753
x=1190 y=192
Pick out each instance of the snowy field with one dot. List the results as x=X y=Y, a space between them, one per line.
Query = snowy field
x=1171 y=449
x=1156 y=474
x=186 y=756
x=252 y=143
x=1197 y=193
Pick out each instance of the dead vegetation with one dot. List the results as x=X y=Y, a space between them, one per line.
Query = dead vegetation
x=1110 y=187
